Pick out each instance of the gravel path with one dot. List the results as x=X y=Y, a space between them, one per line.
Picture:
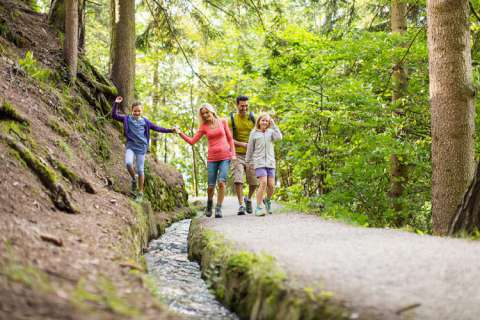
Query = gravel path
x=387 y=273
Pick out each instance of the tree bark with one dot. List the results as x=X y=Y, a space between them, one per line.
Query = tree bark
x=452 y=108
x=70 y=45
x=398 y=168
x=123 y=64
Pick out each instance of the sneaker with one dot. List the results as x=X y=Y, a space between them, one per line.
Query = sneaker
x=241 y=210
x=248 y=205
x=208 y=209
x=259 y=212
x=268 y=205
x=139 y=197
x=134 y=185
x=218 y=212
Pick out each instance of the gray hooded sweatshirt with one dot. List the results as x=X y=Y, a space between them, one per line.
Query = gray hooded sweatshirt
x=260 y=151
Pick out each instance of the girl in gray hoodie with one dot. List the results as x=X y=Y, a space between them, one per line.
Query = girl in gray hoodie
x=261 y=154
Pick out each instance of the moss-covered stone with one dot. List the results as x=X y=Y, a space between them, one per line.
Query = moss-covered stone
x=253 y=285
x=163 y=197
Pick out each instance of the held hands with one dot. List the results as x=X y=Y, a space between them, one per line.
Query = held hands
x=119 y=99
x=176 y=129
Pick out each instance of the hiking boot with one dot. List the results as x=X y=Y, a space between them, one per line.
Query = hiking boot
x=208 y=209
x=248 y=205
x=218 y=212
x=268 y=205
x=259 y=212
x=134 y=185
x=139 y=197
x=241 y=210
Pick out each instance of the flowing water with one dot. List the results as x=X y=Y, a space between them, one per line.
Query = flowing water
x=178 y=279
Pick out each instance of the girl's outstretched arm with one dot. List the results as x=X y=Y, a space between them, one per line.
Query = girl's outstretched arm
x=154 y=127
x=194 y=139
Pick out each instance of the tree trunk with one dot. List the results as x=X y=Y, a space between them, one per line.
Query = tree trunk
x=398 y=169
x=155 y=106
x=113 y=18
x=123 y=64
x=70 y=46
x=452 y=108
x=399 y=26
x=194 y=158
x=56 y=18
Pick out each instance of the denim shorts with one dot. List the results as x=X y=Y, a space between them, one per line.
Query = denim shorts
x=139 y=160
x=265 y=172
x=217 y=169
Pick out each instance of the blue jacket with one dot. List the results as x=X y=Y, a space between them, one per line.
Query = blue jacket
x=149 y=125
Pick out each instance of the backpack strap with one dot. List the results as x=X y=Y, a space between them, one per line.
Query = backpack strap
x=252 y=117
x=234 y=127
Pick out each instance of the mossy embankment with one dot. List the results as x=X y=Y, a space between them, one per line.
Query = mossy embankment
x=71 y=238
x=253 y=285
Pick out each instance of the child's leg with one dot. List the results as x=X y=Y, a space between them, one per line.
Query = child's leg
x=270 y=183
x=261 y=189
x=129 y=155
x=222 y=178
x=140 y=160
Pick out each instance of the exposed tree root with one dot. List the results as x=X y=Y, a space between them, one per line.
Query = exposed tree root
x=46 y=175
x=75 y=179
x=8 y=112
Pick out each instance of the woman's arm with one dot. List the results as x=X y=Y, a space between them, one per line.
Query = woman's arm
x=230 y=141
x=193 y=139
x=250 y=148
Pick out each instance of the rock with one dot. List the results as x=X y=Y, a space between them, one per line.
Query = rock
x=49 y=238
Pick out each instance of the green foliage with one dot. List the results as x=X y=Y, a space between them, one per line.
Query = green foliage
x=34 y=69
x=325 y=73
x=28 y=275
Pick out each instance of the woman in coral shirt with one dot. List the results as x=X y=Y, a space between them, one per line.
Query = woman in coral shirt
x=221 y=150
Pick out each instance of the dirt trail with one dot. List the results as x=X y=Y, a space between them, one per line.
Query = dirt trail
x=388 y=273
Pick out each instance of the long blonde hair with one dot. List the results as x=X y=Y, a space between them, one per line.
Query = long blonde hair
x=260 y=117
x=210 y=108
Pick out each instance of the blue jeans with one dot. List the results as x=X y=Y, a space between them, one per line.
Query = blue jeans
x=139 y=160
x=217 y=169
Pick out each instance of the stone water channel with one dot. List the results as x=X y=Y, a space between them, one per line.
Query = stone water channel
x=179 y=280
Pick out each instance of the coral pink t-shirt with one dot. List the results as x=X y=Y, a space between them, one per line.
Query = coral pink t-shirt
x=220 y=141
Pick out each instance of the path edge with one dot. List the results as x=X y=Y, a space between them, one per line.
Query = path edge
x=253 y=285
